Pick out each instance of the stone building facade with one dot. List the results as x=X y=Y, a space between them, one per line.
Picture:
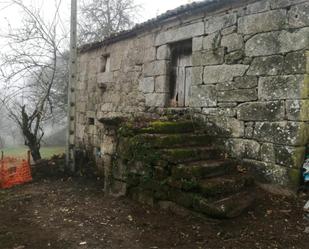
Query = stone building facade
x=242 y=65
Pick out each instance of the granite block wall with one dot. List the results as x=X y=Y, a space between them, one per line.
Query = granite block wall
x=250 y=77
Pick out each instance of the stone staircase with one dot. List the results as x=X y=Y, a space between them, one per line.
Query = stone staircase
x=177 y=162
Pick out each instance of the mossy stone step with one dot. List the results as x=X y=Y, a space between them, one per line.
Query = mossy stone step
x=224 y=185
x=229 y=207
x=174 y=140
x=181 y=155
x=169 y=127
x=203 y=169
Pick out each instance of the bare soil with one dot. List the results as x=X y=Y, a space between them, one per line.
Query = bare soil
x=75 y=213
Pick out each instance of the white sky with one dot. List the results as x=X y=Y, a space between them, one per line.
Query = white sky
x=12 y=15
x=150 y=8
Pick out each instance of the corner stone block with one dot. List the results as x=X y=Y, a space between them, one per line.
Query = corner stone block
x=147 y=85
x=297 y=110
x=284 y=133
x=291 y=157
x=156 y=68
x=211 y=57
x=261 y=111
x=298 y=16
x=156 y=99
x=220 y=22
x=277 y=42
x=262 y=22
x=232 y=42
x=295 y=63
x=239 y=95
x=181 y=33
x=203 y=96
x=163 y=52
x=283 y=87
x=223 y=73
x=270 y=65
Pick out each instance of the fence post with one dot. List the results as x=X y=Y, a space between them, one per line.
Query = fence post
x=29 y=156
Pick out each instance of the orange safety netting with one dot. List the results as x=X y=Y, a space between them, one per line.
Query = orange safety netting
x=14 y=172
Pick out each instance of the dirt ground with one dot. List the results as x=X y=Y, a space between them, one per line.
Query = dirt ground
x=75 y=213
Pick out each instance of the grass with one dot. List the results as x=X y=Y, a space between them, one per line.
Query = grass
x=21 y=152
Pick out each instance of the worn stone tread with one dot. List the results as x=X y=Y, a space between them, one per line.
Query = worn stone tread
x=175 y=140
x=229 y=207
x=203 y=169
x=170 y=127
x=189 y=154
x=223 y=185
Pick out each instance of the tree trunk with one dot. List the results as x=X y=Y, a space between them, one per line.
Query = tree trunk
x=35 y=152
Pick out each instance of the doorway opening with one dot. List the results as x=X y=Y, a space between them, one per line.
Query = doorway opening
x=181 y=71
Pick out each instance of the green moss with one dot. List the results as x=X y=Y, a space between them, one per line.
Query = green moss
x=166 y=127
x=126 y=130
x=173 y=140
x=184 y=184
x=294 y=178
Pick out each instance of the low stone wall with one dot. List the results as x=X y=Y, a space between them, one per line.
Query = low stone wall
x=250 y=77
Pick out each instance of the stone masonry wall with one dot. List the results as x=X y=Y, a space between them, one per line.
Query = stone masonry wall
x=250 y=77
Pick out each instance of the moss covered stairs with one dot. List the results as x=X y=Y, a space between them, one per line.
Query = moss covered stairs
x=177 y=162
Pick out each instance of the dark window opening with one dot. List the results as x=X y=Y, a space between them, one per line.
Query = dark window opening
x=90 y=121
x=180 y=75
x=105 y=63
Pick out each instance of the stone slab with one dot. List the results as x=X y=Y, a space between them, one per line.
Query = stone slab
x=180 y=33
x=216 y=23
x=277 y=42
x=223 y=73
x=284 y=132
x=261 y=111
x=262 y=22
x=283 y=87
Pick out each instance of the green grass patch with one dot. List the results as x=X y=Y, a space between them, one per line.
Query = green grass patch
x=21 y=152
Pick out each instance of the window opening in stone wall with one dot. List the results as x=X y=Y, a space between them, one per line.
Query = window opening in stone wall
x=105 y=63
x=90 y=121
x=180 y=76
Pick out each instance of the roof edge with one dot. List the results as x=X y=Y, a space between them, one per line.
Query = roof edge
x=193 y=8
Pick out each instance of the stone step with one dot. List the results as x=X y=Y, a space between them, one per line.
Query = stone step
x=229 y=207
x=169 y=127
x=182 y=155
x=174 y=140
x=203 y=169
x=224 y=185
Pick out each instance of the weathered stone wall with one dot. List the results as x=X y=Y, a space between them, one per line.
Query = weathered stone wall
x=250 y=77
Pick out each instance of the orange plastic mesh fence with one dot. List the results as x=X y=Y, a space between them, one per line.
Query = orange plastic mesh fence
x=14 y=172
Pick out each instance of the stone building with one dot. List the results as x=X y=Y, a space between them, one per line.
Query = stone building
x=239 y=68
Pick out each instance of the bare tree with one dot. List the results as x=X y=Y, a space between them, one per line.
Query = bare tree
x=2 y=143
x=29 y=70
x=99 y=19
